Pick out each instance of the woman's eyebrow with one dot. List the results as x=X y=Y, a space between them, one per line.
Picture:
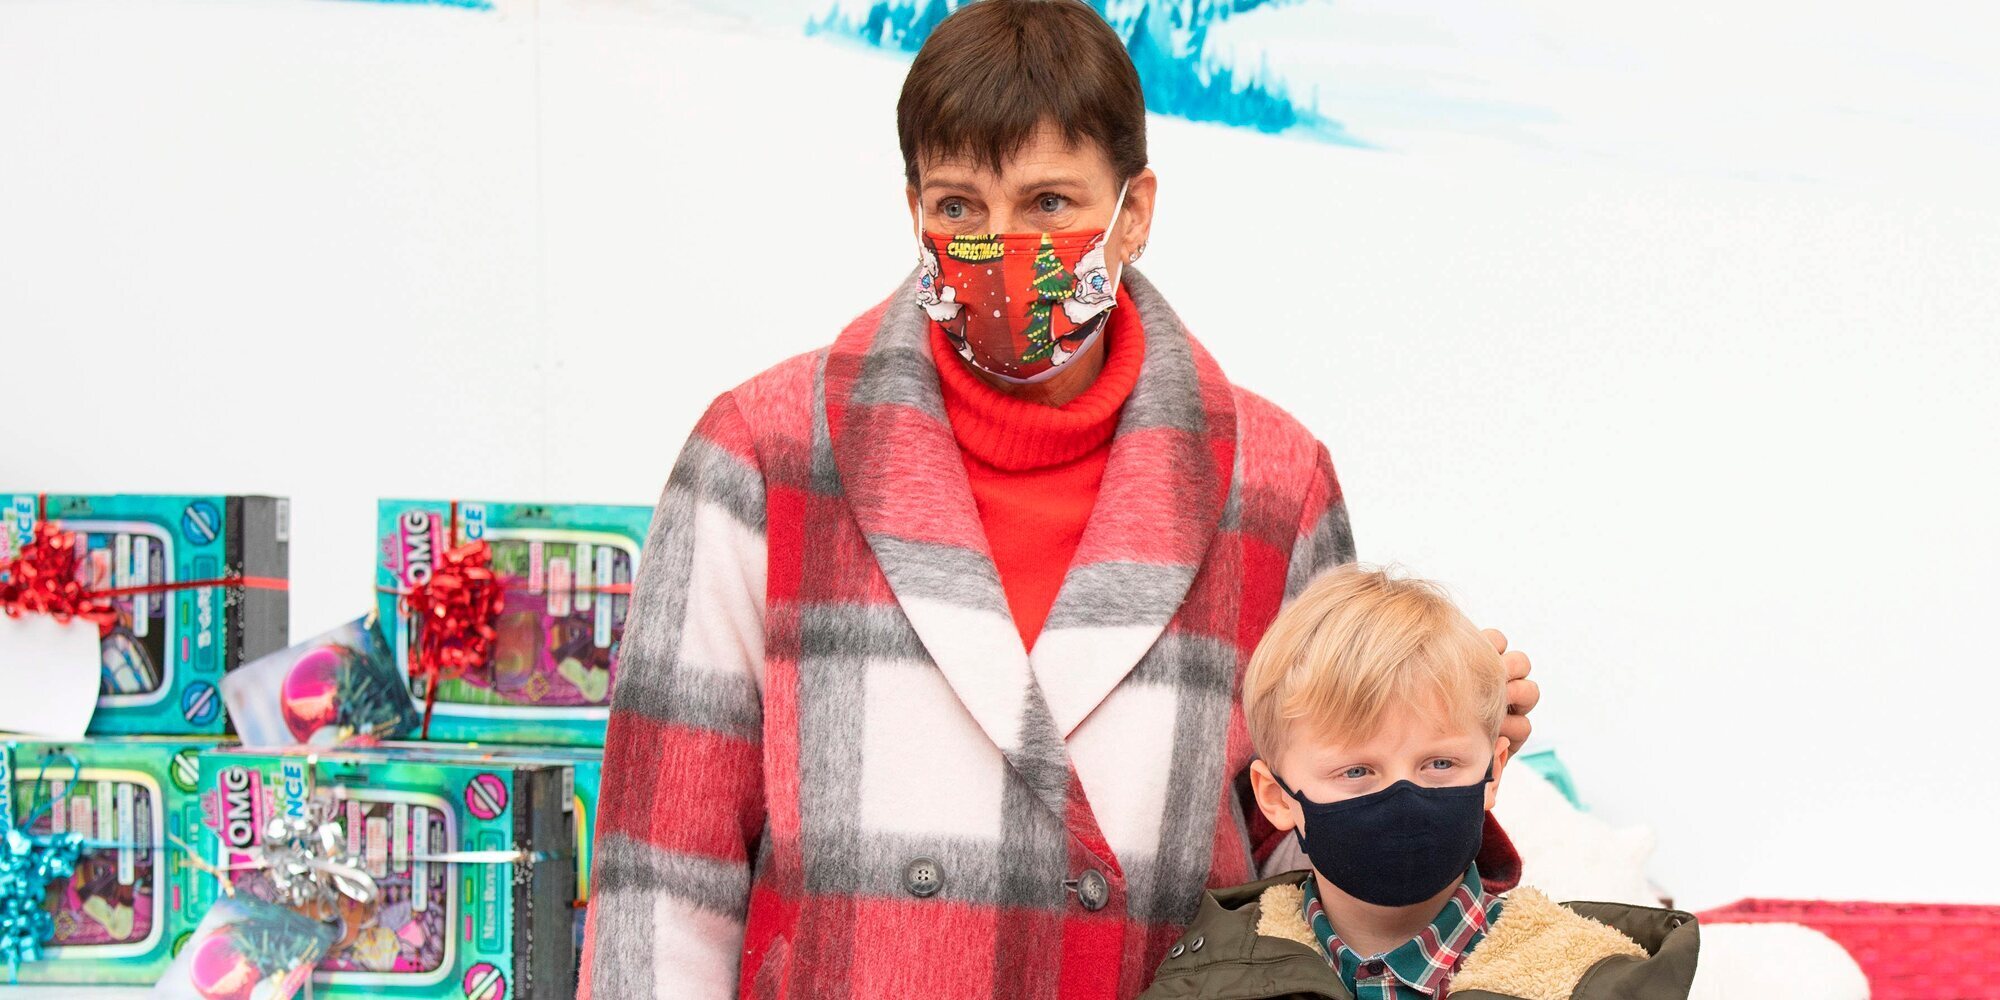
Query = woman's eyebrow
x=942 y=186
x=1046 y=181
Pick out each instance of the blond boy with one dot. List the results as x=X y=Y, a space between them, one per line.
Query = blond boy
x=1375 y=710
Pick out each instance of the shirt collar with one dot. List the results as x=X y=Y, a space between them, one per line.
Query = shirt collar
x=1426 y=962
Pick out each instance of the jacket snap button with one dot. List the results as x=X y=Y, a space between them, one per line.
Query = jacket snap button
x=923 y=877
x=1175 y=952
x=1092 y=890
x=1196 y=946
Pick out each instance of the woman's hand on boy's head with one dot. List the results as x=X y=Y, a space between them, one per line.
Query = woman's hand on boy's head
x=1522 y=694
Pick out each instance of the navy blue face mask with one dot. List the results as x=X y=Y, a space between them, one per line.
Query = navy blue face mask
x=1396 y=847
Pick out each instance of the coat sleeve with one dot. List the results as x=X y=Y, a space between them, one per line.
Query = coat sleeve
x=682 y=807
x=1324 y=538
x=1323 y=541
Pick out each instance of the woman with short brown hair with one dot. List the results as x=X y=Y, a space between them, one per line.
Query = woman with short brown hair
x=928 y=686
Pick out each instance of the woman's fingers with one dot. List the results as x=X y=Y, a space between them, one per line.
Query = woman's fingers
x=1523 y=694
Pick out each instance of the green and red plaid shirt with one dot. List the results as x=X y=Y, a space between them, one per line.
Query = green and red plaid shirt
x=1420 y=967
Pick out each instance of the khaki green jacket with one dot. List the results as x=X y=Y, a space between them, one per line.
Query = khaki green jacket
x=1252 y=943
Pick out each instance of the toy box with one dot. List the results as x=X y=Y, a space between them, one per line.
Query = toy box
x=336 y=687
x=567 y=570
x=586 y=770
x=120 y=916
x=162 y=659
x=443 y=923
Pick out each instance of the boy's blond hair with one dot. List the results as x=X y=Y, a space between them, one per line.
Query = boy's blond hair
x=1359 y=640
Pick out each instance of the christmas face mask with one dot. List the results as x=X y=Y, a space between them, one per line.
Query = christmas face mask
x=1018 y=305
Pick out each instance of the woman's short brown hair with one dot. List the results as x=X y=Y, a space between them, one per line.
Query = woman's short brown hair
x=995 y=71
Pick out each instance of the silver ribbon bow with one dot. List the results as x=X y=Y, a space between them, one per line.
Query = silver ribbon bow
x=308 y=860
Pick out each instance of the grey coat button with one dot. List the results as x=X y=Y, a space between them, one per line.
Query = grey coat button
x=1092 y=890
x=923 y=877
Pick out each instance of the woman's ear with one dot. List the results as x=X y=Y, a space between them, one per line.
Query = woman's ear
x=1272 y=800
x=1503 y=751
x=1135 y=221
x=916 y=223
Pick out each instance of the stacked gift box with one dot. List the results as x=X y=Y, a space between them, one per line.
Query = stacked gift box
x=401 y=806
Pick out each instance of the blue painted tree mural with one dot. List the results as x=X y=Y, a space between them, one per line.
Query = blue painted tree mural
x=1168 y=41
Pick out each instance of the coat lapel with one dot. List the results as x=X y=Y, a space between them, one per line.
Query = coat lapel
x=903 y=477
x=1165 y=486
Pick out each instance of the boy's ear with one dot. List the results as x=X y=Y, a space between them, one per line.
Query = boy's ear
x=1503 y=751
x=1278 y=807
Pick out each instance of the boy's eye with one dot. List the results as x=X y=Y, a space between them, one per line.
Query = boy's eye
x=1355 y=773
x=1053 y=203
x=1442 y=764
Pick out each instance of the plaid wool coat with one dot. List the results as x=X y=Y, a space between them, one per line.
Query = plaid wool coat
x=834 y=772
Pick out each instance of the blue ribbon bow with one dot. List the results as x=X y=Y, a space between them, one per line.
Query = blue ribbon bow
x=28 y=863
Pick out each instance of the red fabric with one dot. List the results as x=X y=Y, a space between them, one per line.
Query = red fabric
x=705 y=765
x=1035 y=469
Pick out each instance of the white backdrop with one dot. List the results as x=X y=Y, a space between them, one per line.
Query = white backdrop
x=1718 y=451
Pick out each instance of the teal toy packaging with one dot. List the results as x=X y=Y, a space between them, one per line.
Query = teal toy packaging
x=586 y=770
x=466 y=864
x=566 y=573
x=200 y=589
x=120 y=916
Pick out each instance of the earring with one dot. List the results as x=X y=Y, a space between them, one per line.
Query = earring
x=1136 y=254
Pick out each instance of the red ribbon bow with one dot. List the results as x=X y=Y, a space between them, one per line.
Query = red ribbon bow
x=455 y=610
x=42 y=579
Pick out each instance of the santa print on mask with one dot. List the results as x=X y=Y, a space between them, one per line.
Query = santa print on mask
x=1017 y=305
x=940 y=302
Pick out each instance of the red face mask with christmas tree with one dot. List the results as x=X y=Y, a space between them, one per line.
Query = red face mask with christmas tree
x=1018 y=306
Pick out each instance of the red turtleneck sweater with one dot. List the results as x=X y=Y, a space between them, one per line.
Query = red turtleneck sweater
x=1035 y=469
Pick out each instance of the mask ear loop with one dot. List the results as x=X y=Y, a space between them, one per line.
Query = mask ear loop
x=1300 y=830
x=1108 y=230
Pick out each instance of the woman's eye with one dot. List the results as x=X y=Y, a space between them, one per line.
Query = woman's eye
x=1053 y=203
x=952 y=209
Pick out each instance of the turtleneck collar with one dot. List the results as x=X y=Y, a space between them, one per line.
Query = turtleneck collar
x=1016 y=435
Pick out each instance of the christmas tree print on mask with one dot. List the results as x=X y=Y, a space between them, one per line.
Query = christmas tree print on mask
x=1053 y=283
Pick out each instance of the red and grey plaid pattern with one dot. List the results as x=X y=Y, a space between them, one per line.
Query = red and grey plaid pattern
x=820 y=685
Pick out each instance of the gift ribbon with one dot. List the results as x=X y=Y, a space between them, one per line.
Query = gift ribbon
x=29 y=862
x=41 y=578
x=308 y=861
x=455 y=611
